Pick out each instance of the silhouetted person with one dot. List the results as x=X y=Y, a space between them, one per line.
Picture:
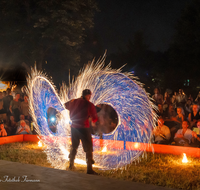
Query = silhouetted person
x=80 y=110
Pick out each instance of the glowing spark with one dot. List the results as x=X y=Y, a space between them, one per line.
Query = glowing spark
x=120 y=90
x=3 y=85
x=184 y=160
x=104 y=149
x=136 y=145
x=77 y=160
x=39 y=144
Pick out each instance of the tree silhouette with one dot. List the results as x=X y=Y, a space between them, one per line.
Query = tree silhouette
x=185 y=50
x=44 y=30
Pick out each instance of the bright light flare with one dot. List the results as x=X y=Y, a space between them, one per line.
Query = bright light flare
x=104 y=149
x=184 y=160
x=40 y=144
x=53 y=119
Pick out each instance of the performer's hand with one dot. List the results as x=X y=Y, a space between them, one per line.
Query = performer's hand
x=93 y=124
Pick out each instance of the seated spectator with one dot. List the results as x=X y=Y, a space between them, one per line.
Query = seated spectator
x=181 y=98
x=12 y=125
x=198 y=96
x=157 y=97
x=178 y=122
x=188 y=107
x=171 y=112
x=167 y=101
x=190 y=97
x=22 y=117
x=184 y=136
x=179 y=117
x=197 y=135
x=3 y=132
x=197 y=128
x=160 y=111
x=161 y=133
x=25 y=108
x=174 y=100
x=23 y=128
x=15 y=106
x=194 y=116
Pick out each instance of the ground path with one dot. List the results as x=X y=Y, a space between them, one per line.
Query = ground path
x=53 y=179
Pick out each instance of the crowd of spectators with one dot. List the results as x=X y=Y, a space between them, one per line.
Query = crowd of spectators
x=178 y=119
x=14 y=114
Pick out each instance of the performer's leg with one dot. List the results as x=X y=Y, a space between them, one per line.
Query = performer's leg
x=86 y=139
x=75 y=138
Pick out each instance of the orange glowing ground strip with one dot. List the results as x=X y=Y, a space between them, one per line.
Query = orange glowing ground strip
x=162 y=149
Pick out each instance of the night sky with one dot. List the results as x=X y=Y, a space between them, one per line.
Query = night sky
x=119 y=20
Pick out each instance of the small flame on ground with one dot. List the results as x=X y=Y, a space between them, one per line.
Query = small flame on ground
x=184 y=160
x=40 y=144
x=136 y=145
x=104 y=149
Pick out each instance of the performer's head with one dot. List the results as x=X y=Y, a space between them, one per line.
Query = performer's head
x=86 y=94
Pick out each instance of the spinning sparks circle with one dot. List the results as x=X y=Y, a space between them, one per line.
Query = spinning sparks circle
x=108 y=86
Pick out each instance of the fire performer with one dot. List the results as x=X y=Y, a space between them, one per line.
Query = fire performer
x=81 y=110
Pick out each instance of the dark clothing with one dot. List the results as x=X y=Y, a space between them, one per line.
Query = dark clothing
x=16 y=114
x=13 y=128
x=178 y=125
x=80 y=111
x=84 y=135
x=196 y=117
x=15 y=106
x=162 y=142
x=6 y=102
x=2 y=110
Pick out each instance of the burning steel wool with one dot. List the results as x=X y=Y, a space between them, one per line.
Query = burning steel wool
x=119 y=90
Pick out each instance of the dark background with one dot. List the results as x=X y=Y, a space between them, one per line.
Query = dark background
x=157 y=40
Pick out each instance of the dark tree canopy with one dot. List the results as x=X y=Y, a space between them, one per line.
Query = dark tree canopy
x=149 y=66
x=44 y=30
x=185 y=50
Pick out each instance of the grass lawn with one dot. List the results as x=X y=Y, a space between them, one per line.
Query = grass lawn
x=158 y=169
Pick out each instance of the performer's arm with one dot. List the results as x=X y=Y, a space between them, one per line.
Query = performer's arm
x=93 y=113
